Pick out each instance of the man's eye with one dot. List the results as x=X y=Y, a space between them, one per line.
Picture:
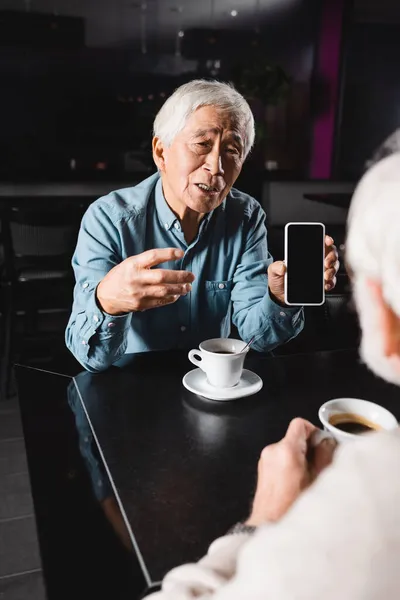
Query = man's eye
x=232 y=150
x=204 y=144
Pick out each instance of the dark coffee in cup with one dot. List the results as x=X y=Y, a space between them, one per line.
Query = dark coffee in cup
x=223 y=352
x=352 y=423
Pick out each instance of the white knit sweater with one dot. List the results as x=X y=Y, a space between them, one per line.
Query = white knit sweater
x=340 y=540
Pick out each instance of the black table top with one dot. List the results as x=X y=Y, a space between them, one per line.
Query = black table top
x=184 y=468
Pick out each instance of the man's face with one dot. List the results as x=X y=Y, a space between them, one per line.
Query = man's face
x=203 y=162
x=372 y=341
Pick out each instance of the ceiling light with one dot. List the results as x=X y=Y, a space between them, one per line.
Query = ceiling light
x=234 y=13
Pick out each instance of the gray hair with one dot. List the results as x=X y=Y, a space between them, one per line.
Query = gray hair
x=389 y=147
x=373 y=238
x=187 y=98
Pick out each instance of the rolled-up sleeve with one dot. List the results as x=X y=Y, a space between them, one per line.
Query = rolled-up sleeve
x=96 y=339
x=255 y=314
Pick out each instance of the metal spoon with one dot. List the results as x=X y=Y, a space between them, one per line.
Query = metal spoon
x=247 y=345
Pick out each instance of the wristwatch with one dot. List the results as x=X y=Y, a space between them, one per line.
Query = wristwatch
x=241 y=528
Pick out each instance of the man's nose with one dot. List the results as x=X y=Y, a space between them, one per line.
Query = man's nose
x=213 y=163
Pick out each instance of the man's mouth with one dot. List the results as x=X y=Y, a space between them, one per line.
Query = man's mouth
x=206 y=188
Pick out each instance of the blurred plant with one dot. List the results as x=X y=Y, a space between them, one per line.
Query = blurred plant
x=263 y=84
x=261 y=80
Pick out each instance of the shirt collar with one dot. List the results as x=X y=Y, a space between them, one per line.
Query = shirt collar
x=165 y=214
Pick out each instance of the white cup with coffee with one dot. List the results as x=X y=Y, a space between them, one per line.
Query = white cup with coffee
x=347 y=418
x=221 y=359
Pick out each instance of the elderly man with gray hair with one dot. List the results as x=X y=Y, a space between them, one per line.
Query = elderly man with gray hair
x=333 y=535
x=206 y=239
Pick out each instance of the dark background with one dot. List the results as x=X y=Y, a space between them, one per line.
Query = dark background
x=82 y=81
x=370 y=102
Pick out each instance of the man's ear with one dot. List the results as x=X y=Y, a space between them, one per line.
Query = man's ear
x=388 y=320
x=158 y=153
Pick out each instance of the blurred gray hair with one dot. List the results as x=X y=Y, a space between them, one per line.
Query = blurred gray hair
x=186 y=99
x=373 y=238
x=389 y=147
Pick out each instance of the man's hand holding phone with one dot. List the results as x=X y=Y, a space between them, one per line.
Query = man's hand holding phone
x=277 y=271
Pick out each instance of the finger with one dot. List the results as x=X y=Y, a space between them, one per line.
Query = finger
x=329 y=274
x=332 y=263
x=277 y=269
x=158 y=302
x=156 y=256
x=164 y=276
x=331 y=251
x=330 y=285
x=323 y=455
x=331 y=257
x=329 y=241
x=318 y=436
x=298 y=434
x=168 y=289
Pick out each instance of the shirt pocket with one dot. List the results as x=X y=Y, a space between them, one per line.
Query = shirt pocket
x=218 y=302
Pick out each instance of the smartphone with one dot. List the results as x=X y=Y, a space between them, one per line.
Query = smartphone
x=304 y=259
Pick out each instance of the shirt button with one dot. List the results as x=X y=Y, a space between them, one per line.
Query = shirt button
x=221 y=286
x=177 y=226
x=96 y=318
x=166 y=225
x=183 y=328
x=111 y=324
x=282 y=314
x=84 y=342
x=85 y=285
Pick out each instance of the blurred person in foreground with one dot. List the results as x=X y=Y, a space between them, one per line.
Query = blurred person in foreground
x=337 y=534
x=184 y=242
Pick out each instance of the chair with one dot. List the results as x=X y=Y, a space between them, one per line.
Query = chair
x=39 y=238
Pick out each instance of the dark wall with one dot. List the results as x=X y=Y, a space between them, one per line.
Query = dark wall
x=371 y=99
x=63 y=103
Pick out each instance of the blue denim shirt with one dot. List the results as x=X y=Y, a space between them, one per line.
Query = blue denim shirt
x=229 y=258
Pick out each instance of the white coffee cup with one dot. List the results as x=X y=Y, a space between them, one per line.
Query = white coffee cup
x=221 y=360
x=368 y=411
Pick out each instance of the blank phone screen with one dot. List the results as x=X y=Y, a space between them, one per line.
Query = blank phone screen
x=305 y=264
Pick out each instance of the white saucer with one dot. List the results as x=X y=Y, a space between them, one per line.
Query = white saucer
x=196 y=381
